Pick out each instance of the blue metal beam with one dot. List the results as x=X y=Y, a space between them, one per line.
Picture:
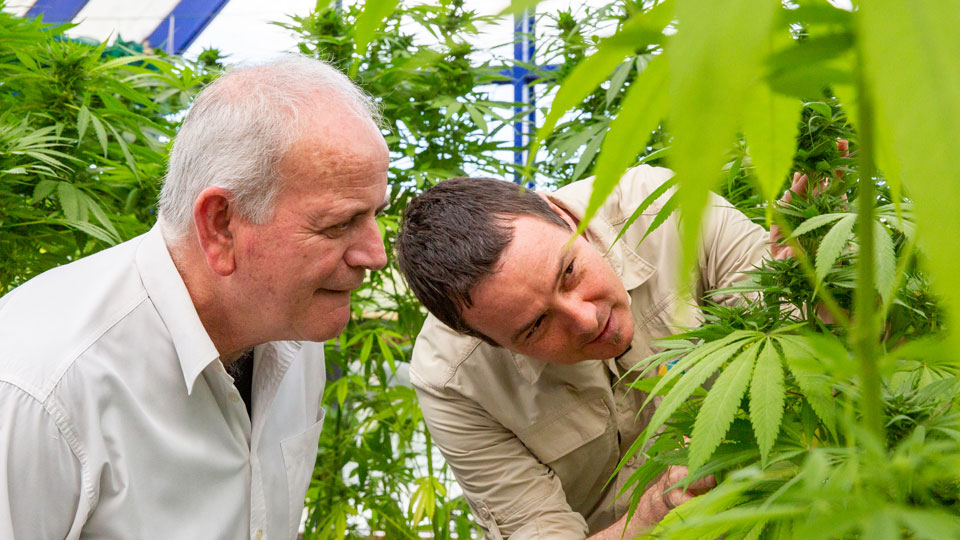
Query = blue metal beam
x=56 y=11
x=184 y=24
x=524 y=44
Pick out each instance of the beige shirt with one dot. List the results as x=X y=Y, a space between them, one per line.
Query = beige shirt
x=118 y=420
x=533 y=444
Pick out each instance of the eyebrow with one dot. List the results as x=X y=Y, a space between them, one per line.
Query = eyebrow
x=358 y=212
x=556 y=281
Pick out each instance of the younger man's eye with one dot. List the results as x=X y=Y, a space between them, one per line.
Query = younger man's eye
x=535 y=327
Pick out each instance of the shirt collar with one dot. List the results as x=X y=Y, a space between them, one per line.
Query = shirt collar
x=170 y=297
x=632 y=269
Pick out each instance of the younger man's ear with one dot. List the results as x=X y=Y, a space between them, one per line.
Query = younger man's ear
x=573 y=222
x=212 y=212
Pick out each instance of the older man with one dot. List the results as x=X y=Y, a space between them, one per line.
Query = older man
x=517 y=367
x=170 y=387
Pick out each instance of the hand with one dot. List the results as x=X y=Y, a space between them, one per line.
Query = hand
x=799 y=186
x=656 y=502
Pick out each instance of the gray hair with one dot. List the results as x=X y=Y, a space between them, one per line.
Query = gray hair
x=239 y=129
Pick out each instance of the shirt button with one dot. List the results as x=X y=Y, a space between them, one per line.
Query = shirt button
x=484 y=513
x=234 y=398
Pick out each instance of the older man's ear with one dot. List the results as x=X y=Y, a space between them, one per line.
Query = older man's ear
x=215 y=222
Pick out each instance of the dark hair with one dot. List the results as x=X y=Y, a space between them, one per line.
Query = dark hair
x=452 y=237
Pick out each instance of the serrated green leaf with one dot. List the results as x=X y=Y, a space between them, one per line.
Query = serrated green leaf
x=820 y=107
x=688 y=382
x=367 y=24
x=43 y=189
x=577 y=86
x=767 y=398
x=83 y=118
x=654 y=195
x=620 y=75
x=477 y=117
x=880 y=526
x=26 y=59
x=696 y=356
x=101 y=216
x=816 y=222
x=644 y=28
x=910 y=66
x=342 y=390
x=89 y=228
x=885 y=261
x=808 y=373
x=589 y=152
x=641 y=110
x=126 y=151
x=70 y=201
x=720 y=406
x=929 y=524
x=770 y=126
x=714 y=61
x=662 y=216
x=366 y=347
x=387 y=353
x=832 y=246
x=756 y=531
x=101 y=133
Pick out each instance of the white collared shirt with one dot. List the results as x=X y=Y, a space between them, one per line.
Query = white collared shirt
x=117 y=419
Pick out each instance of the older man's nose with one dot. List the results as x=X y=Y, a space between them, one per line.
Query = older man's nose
x=368 y=251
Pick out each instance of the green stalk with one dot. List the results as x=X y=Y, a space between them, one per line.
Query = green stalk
x=865 y=298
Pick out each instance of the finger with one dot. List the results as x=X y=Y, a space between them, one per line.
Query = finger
x=799 y=184
x=775 y=234
x=702 y=485
x=843 y=146
x=782 y=252
x=676 y=473
x=675 y=498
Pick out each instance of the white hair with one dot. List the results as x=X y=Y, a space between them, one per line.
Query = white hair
x=238 y=130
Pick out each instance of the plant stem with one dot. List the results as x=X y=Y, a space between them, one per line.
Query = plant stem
x=865 y=297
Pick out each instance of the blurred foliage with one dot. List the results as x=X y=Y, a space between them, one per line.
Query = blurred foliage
x=832 y=404
x=83 y=133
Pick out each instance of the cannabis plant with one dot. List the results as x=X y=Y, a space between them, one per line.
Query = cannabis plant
x=83 y=136
x=827 y=404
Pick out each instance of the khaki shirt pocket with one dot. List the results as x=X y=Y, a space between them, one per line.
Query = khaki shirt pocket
x=580 y=446
x=569 y=429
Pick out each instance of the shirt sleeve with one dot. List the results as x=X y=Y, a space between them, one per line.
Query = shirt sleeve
x=731 y=245
x=512 y=494
x=40 y=476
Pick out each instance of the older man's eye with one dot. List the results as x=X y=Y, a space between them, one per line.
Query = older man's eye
x=337 y=230
x=569 y=270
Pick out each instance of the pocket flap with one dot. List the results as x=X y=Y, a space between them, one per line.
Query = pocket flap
x=572 y=427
